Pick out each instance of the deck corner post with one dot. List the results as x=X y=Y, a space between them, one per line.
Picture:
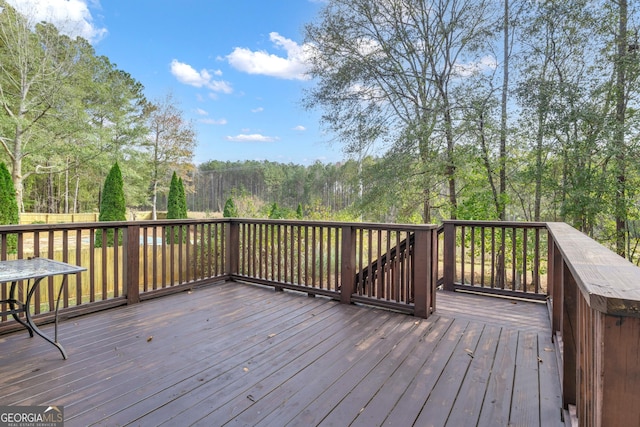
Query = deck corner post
x=556 y=279
x=422 y=276
x=132 y=263
x=449 y=255
x=348 y=263
x=233 y=248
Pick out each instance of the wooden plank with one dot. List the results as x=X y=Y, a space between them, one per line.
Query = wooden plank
x=514 y=313
x=88 y=333
x=280 y=350
x=620 y=367
x=319 y=363
x=437 y=408
x=158 y=399
x=357 y=363
x=497 y=401
x=549 y=380
x=468 y=404
x=129 y=346
x=525 y=406
x=420 y=388
x=392 y=390
x=142 y=392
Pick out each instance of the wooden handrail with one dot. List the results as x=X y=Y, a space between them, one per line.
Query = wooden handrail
x=609 y=283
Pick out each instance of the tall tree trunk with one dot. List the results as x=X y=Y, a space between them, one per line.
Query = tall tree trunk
x=51 y=199
x=16 y=169
x=66 y=188
x=484 y=146
x=503 y=118
x=154 y=200
x=76 y=207
x=450 y=170
x=619 y=145
x=538 y=169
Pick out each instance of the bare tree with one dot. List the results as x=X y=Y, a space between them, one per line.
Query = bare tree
x=171 y=142
x=386 y=70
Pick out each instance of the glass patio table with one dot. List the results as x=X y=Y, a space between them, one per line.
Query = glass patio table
x=33 y=270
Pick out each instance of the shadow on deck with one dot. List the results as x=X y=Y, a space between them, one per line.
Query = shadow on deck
x=246 y=355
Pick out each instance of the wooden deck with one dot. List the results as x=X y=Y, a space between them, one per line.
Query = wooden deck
x=244 y=355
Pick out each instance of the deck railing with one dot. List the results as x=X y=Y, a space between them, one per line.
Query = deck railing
x=365 y=263
x=125 y=261
x=144 y=259
x=497 y=257
x=594 y=300
x=595 y=297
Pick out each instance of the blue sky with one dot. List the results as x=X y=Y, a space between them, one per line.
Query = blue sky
x=235 y=66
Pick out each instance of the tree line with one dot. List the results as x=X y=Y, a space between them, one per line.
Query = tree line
x=68 y=115
x=322 y=190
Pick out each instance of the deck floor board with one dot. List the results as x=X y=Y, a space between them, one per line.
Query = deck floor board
x=240 y=354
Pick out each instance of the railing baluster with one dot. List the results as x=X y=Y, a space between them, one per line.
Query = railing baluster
x=314 y=281
x=524 y=260
x=514 y=247
x=279 y=242
x=536 y=262
x=463 y=247
x=483 y=255
x=78 y=261
x=473 y=255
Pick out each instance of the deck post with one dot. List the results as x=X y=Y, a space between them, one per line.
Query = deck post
x=434 y=268
x=233 y=248
x=555 y=283
x=131 y=263
x=449 y=255
x=620 y=375
x=570 y=337
x=422 y=283
x=348 y=263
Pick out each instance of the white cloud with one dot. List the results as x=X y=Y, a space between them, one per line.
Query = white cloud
x=71 y=17
x=201 y=112
x=293 y=67
x=217 y=122
x=300 y=128
x=254 y=137
x=485 y=63
x=188 y=75
x=257 y=110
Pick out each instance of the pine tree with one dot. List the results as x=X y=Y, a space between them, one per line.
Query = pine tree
x=9 y=213
x=183 y=199
x=299 y=212
x=274 y=212
x=176 y=207
x=173 y=208
x=112 y=205
x=230 y=210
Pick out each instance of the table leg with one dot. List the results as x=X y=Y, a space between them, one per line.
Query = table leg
x=33 y=325
x=12 y=306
